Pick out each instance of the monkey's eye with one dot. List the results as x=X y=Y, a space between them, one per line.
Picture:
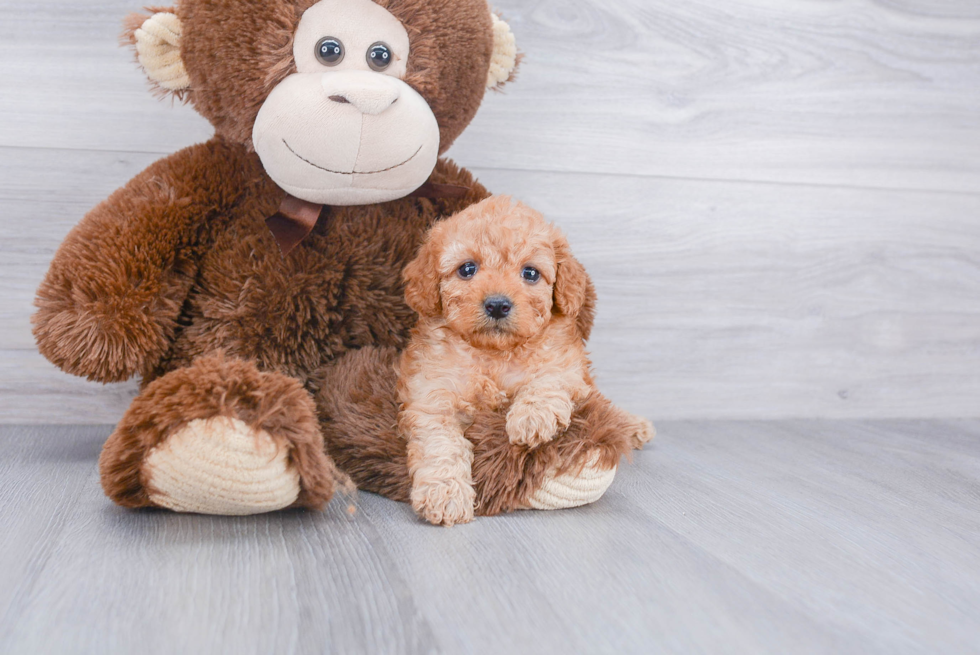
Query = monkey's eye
x=379 y=56
x=329 y=51
x=467 y=270
x=531 y=274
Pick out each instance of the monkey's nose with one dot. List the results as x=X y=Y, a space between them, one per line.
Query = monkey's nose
x=497 y=307
x=369 y=93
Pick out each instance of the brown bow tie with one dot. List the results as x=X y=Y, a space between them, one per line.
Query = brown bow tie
x=296 y=218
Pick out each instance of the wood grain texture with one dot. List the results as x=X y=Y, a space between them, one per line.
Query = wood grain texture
x=780 y=202
x=717 y=300
x=848 y=93
x=736 y=537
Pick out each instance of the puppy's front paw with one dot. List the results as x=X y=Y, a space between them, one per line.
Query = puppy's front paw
x=534 y=422
x=443 y=502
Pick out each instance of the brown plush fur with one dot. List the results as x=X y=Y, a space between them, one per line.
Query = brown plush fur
x=178 y=266
x=360 y=428
x=358 y=409
x=505 y=475
x=179 y=263
x=110 y=304
x=218 y=386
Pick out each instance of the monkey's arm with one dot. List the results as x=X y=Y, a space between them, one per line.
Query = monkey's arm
x=108 y=307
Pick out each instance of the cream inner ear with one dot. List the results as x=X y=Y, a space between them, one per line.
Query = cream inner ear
x=158 y=49
x=504 y=59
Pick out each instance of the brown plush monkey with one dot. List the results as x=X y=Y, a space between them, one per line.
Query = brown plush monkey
x=254 y=281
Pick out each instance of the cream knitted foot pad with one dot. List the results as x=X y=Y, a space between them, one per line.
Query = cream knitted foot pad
x=563 y=491
x=221 y=466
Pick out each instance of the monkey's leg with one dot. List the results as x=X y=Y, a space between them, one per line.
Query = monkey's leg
x=219 y=437
x=358 y=410
x=575 y=468
x=358 y=406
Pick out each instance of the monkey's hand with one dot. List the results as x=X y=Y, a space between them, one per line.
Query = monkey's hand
x=108 y=307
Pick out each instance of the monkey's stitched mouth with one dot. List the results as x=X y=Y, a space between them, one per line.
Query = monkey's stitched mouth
x=383 y=170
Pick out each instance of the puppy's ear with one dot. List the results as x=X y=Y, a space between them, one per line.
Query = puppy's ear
x=574 y=295
x=422 y=279
x=586 y=315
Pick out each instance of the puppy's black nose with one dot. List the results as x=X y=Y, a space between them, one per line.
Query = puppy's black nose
x=497 y=307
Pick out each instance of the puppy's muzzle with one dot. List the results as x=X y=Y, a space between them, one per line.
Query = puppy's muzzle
x=498 y=307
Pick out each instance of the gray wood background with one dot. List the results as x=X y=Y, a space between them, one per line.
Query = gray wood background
x=779 y=200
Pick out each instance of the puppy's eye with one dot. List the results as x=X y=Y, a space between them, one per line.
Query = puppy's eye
x=329 y=51
x=379 y=56
x=531 y=274
x=467 y=270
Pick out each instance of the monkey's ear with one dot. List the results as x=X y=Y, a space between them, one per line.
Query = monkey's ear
x=505 y=58
x=157 y=41
x=422 y=279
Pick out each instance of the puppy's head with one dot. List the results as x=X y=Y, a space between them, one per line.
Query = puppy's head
x=497 y=272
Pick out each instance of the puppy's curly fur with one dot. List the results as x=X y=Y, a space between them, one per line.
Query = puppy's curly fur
x=466 y=355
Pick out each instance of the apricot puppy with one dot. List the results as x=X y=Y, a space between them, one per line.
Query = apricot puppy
x=498 y=292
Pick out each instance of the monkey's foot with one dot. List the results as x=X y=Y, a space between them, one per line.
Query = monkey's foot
x=221 y=466
x=573 y=489
x=219 y=437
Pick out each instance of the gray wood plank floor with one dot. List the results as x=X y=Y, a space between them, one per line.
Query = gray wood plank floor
x=779 y=201
x=725 y=537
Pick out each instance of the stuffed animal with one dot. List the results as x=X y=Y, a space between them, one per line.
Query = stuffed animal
x=253 y=282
